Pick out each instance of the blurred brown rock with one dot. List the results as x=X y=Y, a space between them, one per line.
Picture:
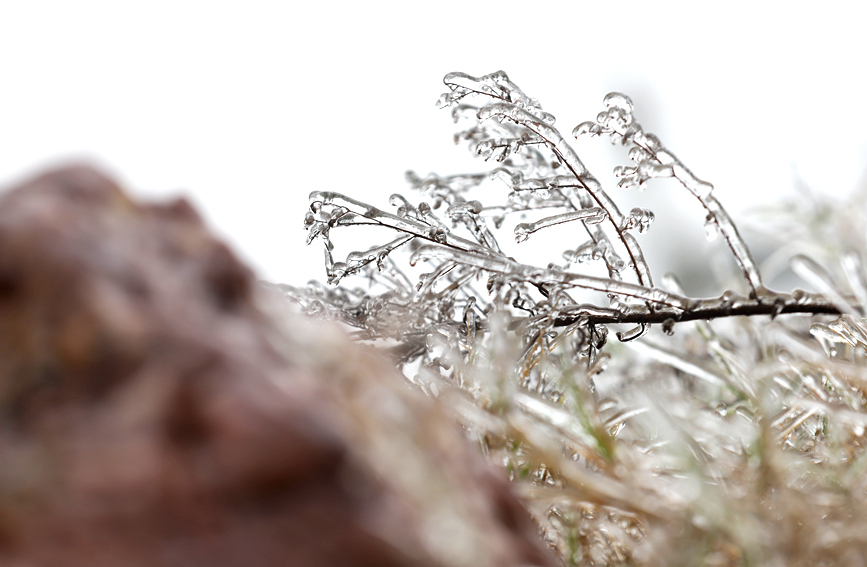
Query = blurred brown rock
x=151 y=413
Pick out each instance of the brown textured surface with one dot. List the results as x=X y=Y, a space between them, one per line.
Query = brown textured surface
x=150 y=414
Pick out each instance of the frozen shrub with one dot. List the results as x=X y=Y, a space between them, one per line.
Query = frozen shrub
x=737 y=441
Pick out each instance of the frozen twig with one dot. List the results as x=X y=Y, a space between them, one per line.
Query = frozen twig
x=543 y=172
x=654 y=160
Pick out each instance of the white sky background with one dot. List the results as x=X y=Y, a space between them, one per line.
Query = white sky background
x=247 y=107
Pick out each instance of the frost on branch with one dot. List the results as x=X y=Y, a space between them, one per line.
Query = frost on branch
x=516 y=347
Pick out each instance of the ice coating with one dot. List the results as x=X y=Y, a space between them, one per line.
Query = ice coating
x=590 y=216
x=567 y=155
x=405 y=224
x=517 y=346
x=654 y=160
x=522 y=272
x=638 y=218
x=469 y=279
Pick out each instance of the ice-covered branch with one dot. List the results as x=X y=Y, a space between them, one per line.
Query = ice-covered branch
x=542 y=171
x=590 y=216
x=727 y=305
x=654 y=160
x=585 y=179
x=404 y=224
x=531 y=274
x=712 y=418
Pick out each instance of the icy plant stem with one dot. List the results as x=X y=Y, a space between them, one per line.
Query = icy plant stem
x=702 y=191
x=576 y=167
x=403 y=224
x=533 y=275
x=590 y=216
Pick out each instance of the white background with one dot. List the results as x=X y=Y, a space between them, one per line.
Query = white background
x=247 y=107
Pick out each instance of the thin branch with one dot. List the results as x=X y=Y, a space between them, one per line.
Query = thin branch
x=715 y=308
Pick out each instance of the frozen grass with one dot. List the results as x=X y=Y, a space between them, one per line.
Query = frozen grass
x=731 y=433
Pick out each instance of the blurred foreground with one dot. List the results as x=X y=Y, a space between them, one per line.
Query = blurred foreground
x=152 y=414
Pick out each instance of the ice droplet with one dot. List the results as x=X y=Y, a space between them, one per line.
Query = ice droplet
x=711 y=228
x=588 y=127
x=485 y=148
x=668 y=327
x=638 y=154
x=439 y=235
x=640 y=218
x=355 y=260
x=618 y=100
x=446 y=100
x=466 y=207
x=623 y=170
x=336 y=273
x=779 y=305
x=523 y=232
x=647 y=170
x=582 y=254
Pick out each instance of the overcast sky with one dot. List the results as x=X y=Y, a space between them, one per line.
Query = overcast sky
x=247 y=107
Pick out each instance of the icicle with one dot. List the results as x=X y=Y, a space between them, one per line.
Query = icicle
x=614 y=262
x=336 y=273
